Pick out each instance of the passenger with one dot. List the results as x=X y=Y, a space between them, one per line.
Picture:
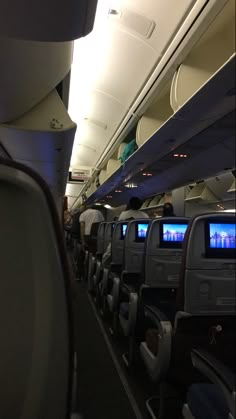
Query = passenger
x=133 y=210
x=168 y=210
x=87 y=219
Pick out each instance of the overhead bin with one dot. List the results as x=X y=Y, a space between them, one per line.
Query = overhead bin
x=47 y=20
x=103 y=176
x=145 y=203
x=201 y=192
x=92 y=188
x=43 y=139
x=232 y=188
x=221 y=184
x=210 y=53
x=154 y=201
x=161 y=202
x=153 y=118
x=29 y=71
x=112 y=166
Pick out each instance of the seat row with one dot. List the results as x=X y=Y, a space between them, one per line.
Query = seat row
x=174 y=276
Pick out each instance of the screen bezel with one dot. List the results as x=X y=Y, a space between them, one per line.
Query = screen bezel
x=171 y=244
x=137 y=238
x=122 y=235
x=214 y=253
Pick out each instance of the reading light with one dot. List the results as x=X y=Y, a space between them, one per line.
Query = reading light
x=131 y=185
x=180 y=155
x=109 y=196
x=118 y=191
x=107 y=206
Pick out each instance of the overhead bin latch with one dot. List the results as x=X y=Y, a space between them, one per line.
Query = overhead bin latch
x=56 y=124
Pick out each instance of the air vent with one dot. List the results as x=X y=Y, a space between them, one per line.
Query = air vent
x=201 y=193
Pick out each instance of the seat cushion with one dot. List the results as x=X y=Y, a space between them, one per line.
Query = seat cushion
x=206 y=401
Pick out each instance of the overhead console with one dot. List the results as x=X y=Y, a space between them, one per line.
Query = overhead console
x=42 y=139
x=189 y=123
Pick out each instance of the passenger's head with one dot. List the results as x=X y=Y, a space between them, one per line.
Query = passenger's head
x=168 y=210
x=135 y=203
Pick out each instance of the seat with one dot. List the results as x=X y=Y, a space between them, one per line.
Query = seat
x=160 y=276
x=115 y=267
x=36 y=350
x=215 y=400
x=92 y=241
x=131 y=274
x=97 y=277
x=91 y=257
x=205 y=303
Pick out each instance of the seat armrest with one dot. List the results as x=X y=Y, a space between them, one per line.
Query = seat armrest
x=115 y=293
x=218 y=373
x=128 y=289
x=158 y=366
x=155 y=315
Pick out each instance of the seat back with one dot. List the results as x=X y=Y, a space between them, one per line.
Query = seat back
x=135 y=244
x=100 y=237
x=108 y=233
x=207 y=283
x=164 y=251
x=117 y=243
x=35 y=330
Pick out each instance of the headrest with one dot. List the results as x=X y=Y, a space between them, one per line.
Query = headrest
x=207 y=281
x=137 y=232
x=211 y=241
x=120 y=230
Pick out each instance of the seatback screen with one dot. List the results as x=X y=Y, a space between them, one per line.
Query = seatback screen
x=172 y=234
x=123 y=230
x=222 y=236
x=141 y=231
x=220 y=239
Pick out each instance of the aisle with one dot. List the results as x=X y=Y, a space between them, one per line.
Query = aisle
x=101 y=393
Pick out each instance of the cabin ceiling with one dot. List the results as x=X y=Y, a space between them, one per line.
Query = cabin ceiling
x=111 y=66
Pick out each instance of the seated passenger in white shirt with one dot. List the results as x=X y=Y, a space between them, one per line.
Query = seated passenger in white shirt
x=133 y=210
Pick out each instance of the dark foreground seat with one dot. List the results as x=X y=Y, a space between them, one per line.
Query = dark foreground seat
x=214 y=400
x=36 y=339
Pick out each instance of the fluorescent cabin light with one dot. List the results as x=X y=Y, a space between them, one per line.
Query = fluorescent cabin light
x=89 y=61
x=230 y=210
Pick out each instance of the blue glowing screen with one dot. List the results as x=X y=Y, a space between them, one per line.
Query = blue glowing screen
x=222 y=236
